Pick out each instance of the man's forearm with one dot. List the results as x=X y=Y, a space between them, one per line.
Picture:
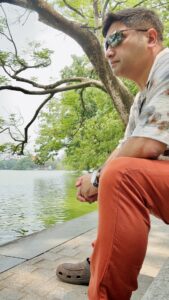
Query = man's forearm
x=139 y=148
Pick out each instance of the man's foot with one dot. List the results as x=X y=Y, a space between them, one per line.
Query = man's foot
x=77 y=273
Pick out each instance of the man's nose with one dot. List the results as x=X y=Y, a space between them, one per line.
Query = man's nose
x=110 y=52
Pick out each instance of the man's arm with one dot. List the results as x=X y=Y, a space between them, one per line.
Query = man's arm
x=139 y=147
x=134 y=147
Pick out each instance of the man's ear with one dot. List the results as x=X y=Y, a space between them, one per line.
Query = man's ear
x=152 y=37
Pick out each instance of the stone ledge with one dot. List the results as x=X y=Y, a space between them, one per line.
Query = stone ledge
x=159 y=289
x=18 y=251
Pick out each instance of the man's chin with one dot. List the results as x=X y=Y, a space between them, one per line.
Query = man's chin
x=115 y=72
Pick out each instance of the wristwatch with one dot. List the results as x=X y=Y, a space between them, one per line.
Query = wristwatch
x=95 y=178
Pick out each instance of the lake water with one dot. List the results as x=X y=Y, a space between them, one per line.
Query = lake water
x=33 y=200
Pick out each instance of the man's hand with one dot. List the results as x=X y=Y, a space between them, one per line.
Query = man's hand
x=86 y=192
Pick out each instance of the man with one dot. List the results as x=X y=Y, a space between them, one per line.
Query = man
x=134 y=182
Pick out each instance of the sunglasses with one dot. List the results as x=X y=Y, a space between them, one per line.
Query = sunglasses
x=117 y=37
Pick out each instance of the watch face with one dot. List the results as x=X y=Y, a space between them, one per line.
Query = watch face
x=95 y=183
x=94 y=179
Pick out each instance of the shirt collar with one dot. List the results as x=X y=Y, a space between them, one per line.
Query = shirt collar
x=161 y=53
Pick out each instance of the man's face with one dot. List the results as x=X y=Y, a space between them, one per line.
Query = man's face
x=127 y=54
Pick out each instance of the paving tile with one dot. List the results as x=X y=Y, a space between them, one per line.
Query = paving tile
x=144 y=283
x=46 y=274
x=12 y=294
x=9 y=262
x=36 y=260
x=6 y=274
x=38 y=288
x=31 y=296
x=159 y=289
x=67 y=296
x=17 y=281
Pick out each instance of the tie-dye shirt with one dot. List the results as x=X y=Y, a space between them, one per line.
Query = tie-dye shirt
x=149 y=114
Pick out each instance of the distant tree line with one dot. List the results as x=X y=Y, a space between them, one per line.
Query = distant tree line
x=26 y=163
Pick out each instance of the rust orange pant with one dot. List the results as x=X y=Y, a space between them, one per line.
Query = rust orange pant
x=130 y=190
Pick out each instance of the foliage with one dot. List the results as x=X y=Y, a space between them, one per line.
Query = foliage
x=2 y=147
x=15 y=60
x=81 y=11
x=95 y=140
x=3 y=80
x=83 y=122
x=131 y=86
x=39 y=55
x=1 y=123
x=11 y=126
x=81 y=66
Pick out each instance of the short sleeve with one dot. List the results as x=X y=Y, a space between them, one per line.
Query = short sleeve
x=153 y=121
x=133 y=116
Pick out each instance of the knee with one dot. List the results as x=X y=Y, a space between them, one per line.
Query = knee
x=115 y=169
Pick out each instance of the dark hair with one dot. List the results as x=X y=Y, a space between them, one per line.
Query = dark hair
x=137 y=17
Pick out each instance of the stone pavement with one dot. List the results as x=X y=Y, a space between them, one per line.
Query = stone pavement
x=159 y=289
x=28 y=265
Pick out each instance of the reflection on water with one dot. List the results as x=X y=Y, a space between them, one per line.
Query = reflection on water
x=33 y=200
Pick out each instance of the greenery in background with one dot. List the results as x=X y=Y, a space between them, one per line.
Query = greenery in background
x=83 y=122
x=28 y=163
x=17 y=164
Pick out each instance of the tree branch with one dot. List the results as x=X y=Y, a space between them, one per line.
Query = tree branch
x=21 y=3
x=5 y=35
x=105 y=8
x=22 y=144
x=96 y=12
x=3 y=130
x=10 y=133
x=9 y=31
x=27 y=17
x=83 y=84
x=82 y=100
x=73 y=9
x=86 y=83
x=139 y=3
